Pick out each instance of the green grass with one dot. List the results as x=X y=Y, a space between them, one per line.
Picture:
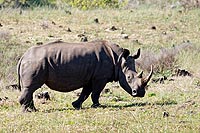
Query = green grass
x=122 y=113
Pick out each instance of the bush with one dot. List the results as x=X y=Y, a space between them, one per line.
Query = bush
x=163 y=62
x=27 y=3
x=189 y=4
x=81 y=4
x=91 y=4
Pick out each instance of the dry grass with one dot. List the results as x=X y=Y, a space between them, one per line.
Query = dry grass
x=166 y=59
x=180 y=100
x=169 y=107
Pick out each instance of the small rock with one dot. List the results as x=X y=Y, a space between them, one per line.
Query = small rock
x=12 y=87
x=182 y=72
x=53 y=22
x=124 y=36
x=165 y=114
x=69 y=30
x=4 y=99
x=50 y=36
x=113 y=28
x=106 y=90
x=27 y=42
x=1 y=25
x=171 y=79
x=159 y=80
x=180 y=11
x=122 y=32
x=136 y=42
x=96 y=20
x=68 y=12
x=164 y=33
x=84 y=39
x=78 y=93
x=80 y=35
x=153 y=27
x=39 y=43
x=43 y=95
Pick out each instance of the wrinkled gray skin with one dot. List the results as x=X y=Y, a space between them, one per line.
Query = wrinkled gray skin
x=66 y=67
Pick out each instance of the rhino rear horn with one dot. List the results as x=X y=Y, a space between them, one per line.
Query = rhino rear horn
x=137 y=55
x=146 y=80
x=139 y=75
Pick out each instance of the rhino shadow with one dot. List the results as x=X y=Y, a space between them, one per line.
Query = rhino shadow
x=101 y=106
x=137 y=104
x=140 y=104
x=56 y=109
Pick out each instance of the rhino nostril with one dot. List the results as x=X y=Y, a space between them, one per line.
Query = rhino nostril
x=134 y=92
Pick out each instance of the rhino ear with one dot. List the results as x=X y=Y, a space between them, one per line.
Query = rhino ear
x=137 y=55
x=126 y=53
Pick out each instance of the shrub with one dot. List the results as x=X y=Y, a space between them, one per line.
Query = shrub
x=91 y=4
x=165 y=61
x=189 y=4
x=27 y=3
x=81 y=4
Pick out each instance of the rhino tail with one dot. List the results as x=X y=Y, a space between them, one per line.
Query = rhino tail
x=18 y=73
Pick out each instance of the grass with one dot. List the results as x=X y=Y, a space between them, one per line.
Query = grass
x=179 y=98
x=126 y=115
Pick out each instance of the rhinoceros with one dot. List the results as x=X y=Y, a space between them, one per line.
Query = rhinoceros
x=66 y=67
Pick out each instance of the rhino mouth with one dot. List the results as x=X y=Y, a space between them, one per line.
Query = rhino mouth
x=139 y=95
x=139 y=92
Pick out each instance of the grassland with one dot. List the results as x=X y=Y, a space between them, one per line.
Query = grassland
x=170 y=107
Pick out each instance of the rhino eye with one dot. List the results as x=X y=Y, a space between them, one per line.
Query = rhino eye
x=129 y=78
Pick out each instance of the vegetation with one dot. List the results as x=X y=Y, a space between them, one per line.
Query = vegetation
x=168 y=38
x=93 y=4
x=81 y=4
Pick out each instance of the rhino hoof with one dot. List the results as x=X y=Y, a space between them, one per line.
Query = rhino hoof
x=95 y=105
x=25 y=110
x=76 y=105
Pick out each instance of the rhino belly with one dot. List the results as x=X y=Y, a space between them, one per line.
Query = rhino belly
x=66 y=81
x=64 y=86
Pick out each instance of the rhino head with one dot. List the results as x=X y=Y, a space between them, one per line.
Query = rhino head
x=131 y=81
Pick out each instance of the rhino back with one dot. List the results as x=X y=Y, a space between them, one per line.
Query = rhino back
x=67 y=66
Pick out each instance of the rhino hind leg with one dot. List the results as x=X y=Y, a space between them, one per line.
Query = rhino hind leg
x=98 y=86
x=29 y=107
x=84 y=95
x=26 y=100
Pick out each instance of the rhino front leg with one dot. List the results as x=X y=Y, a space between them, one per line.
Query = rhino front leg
x=98 y=86
x=84 y=95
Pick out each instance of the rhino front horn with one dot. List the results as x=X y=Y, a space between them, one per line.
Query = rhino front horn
x=146 y=80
